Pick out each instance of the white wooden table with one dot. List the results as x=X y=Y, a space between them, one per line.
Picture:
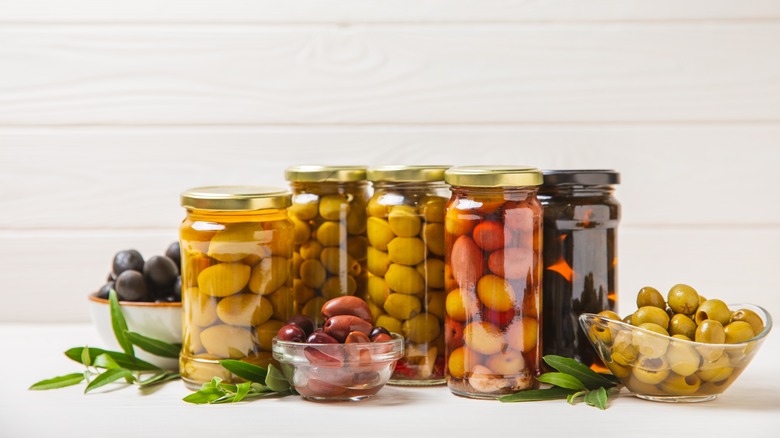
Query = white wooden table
x=750 y=409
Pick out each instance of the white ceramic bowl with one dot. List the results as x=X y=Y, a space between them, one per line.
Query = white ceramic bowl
x=156 y=320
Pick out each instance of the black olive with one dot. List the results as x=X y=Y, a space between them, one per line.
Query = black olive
x=126 y=260
x=177 y=289
x=160 y=273
x=174 y=253
x=131 y=286
x=103 y=292
x=111 y=277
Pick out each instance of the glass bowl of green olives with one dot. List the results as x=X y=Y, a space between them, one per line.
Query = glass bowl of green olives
x=683 y=349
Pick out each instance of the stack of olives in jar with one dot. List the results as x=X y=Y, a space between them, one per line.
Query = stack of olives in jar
x=702 y=364
x=330 y=249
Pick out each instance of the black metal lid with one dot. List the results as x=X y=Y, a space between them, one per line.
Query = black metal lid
x=584 y=177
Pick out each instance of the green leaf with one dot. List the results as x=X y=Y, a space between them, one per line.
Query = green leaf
x=85 y=358
x=159 y=378
x=276 y=380
x=119 y=324
x=154 y=346
x=537 y=395
x=587 y=376
x=58 y=382
x=104 y=361
x=562 y=380
x=597 y=398
x=109 y=376
x=572 y=398
x=202 y=397
x=123 y=360
x=243 y=390
x=252 y=373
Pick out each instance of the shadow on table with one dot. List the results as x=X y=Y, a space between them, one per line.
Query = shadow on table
x=764 y=398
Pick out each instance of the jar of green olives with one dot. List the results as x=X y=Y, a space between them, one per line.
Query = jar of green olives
x=237 y=252
x=493 y=246
x=329 y=213
x=581 y=217
x=406 y=265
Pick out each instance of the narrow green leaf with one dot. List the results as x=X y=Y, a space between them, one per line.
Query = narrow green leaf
x=159 y=378
x=562 y=380
x=105 y=361
x=597 y=398
x=58 y=382
x=537 y=395
x=202 y=397
x=610 y=377
x=227 y=398
x=276 y=380
x=154 y=346
x=252 y=373
x=572 y=398
x=243 y=390
x=587 y=376
x=109 y=376
x=119 y=324
x=256 y=387
x=228 y=387
x=85 y=358
x=123 y=360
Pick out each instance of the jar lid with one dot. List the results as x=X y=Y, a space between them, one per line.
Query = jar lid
x=581 y=177
x=325 y=173
x=236 y=198
x=402 y=173
x=493 y=176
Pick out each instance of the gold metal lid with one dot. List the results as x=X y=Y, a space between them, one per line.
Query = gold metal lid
x=493 y=176
x=236 y=198
x=325 y=173
x=402 y=173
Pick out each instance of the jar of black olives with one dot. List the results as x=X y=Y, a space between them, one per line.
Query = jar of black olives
x=581 y=217
x=237 y=250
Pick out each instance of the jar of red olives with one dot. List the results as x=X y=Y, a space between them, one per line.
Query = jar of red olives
x=237 y=250
x=581 y=217
x=406 y=292
x=329 y=213
x=493 y=244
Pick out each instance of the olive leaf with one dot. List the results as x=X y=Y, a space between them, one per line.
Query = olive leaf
x=158 y=378
x=154 y=346
x=562 y=380
x=58 y=382
x=597 y=398
x=123 y=360
x=119 y=324
x=109 y=376
x=242 y=391
x=572 y=398
x=587 y=376
x=247 y=371
x=554 y=393
x=85 y=357
x=276 y=380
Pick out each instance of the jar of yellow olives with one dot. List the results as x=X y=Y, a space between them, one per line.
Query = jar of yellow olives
x=329 y=213
x=237 y=251
x=493 y=246
x=406 y=265
x=581 y=217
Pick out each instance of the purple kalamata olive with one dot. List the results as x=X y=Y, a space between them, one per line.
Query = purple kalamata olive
x=291 y=333
x=377 y=330
x=347 y=305
x=320 y=337
x=340 y=326
x=357 y=338
x=304 y=322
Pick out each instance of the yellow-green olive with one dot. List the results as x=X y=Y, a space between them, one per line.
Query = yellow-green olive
x=598 y=333
x=404 y=279
x=651 y=370
x=653 y=344
x=682 y=325
x=336 y=261
x=433 y=234
x=227 y=341
x=302 y=230
x=628 y=318
x=404 y=221
x=710 y=331
x=392 y=324
x=681 y=385
x=223 y=279
x=303 y=293
x=623 y=351
x=238 y=241
x=738 y=332
x=683 y=299
x=313 y=273
x=715 y=310
x=244 y=309
x=265 y=333
x=432 y=208
x=432 y=270
x=377 y=290
x=406 y=250
x=610 y=315
x=333 y=207
x=376 y=208
x=305 y=211
x=422 y=328
x=682 y=358
x=313 y=309
x=650 y=314
x=270 y=274
x=379 y=233
x=619 y=371
x=402 y=306
x=749 y=317
x=337 y=286
x=331 y=233
x=437 y=304
x=311 y=250
x=283 y=300
x=357 y=247
x=716 y=371
x=356 y=219
x=649 y=296
x=377 y=262
x=200 y=309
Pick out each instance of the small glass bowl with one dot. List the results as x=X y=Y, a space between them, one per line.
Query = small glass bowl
x=660 y=368
x=332 y=372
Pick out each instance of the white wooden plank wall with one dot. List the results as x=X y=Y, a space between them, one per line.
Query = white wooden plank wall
x=108 y=110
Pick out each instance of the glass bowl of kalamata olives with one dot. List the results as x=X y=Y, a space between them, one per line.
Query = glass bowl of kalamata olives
x=347 y=359
x=149 y=294
x=682 y=349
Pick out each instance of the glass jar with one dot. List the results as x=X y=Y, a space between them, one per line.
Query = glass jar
x=329 y=213
x=493 y=238
x=237 y=249
x=406 y=265
x=581 y=217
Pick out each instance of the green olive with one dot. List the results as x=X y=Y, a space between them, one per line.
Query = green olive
x=377 y=290
x=681 y=385
x=713 y=309
x=710 y=331
x=609 y=314
x=402 y=307
x=651 y=370
x=357 y=247
x=406 y=250
x=433 y=234
x=601 y=334
x=433 y=271
x=749 y=317
x=337 y=286
x=638 y=387
x=375 y=208
x=651 y=314
x=313 y=273
x=422 y=328
x=738 y=332
x=336 y=261
x=333 y=206
x=683 y=299
x=311 y=250
x=379 y=233
x=377 y=262
x=404 y=279
x=304 y=211
x=432 y=209
x=649 y=296
x=628 y=318
x=270 y=274
x=302 y=230
x=682 y=358
x=683 y=337
x=404 y=221
x=356 y=219
x=651 y=345
x=623 y=351
x=682 y=325
x=331 y=233
x=716 y=371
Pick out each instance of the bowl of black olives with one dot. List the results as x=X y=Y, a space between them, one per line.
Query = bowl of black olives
x=684 y=348
x=149 y=293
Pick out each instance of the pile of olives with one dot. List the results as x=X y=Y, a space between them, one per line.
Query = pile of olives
x=157 y=279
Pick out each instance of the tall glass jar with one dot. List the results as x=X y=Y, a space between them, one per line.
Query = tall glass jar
x=329 y=213
x=406 y=265
x=237 y=249
x=493 y=238
x=581 y=217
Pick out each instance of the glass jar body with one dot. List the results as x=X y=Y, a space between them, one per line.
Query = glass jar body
x=330 y=249
x=493 y=241
x=236 y=288
x=406 y=274
x=580 y=265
